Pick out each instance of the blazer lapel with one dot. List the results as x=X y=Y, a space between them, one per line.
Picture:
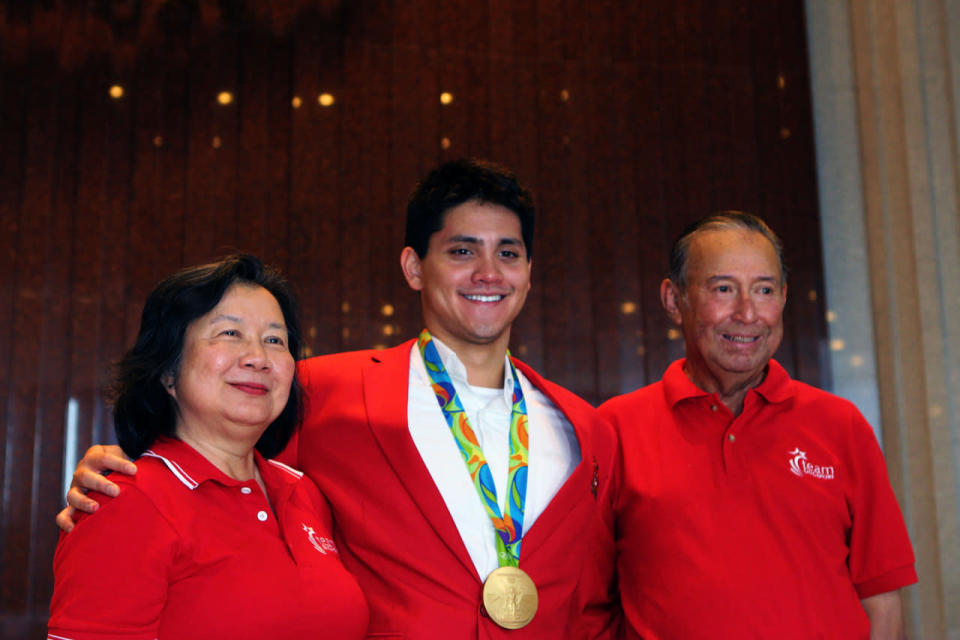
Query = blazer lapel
x=385 y=392
x=554 y=517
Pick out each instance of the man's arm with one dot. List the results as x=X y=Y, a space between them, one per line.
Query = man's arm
x=886 y=616
x=88 y=476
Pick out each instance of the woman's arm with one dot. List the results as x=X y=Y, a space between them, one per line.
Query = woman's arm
x=111 y=572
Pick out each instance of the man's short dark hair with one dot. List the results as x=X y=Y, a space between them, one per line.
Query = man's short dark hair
x=453 y=183
x=720 y=220
x=142 y=408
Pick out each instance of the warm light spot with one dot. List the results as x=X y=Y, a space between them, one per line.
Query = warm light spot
x=673 y=334
x=837 y=344
x=217 y=142
x=296 y=102
x=388 y=330
x=812 y=295
x=224 y=97
x=936 y=411
x=564 y=95
x=158 y=141
x=444 y=143
x=326 y=99
x=446 y=97
x=387 y=310
x=641 y=351
x=379 y=347
x=628 y=307
x=781 y=81
x=116 y=92
x=856 y=361
x=307 y=352
x=566 y=140
x=345 y=332
x=312 y=332
x=345 y=307
x=831 y=316
x=522 y=349
x=784 y=133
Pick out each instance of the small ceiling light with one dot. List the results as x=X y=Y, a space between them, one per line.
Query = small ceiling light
x=387 y=309
x=296 y=102
x=225 y=97
x=116 y=92
x=326 y=99
x=444 y=143
x=446 y=97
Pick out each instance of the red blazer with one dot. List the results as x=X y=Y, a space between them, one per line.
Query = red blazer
x=396 y=535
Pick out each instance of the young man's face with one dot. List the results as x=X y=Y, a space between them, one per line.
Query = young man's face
x=475 y=276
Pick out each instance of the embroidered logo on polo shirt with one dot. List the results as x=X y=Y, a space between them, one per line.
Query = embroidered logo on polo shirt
x=800 y=466
x=321 y=544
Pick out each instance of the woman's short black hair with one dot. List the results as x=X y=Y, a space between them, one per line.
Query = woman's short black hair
x=142 y=408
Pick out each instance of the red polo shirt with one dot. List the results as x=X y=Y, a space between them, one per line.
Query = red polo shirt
x=771 y=524
x=187 y=552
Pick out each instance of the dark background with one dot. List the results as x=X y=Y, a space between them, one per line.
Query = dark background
x=628 y=120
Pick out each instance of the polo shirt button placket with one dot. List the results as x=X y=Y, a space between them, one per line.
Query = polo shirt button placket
x=246 y=490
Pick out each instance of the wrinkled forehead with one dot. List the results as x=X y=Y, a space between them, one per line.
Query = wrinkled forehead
x=734 y=250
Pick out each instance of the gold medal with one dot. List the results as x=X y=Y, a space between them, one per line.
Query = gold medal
x=510 y=597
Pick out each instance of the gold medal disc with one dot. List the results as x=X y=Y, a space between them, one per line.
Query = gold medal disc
x=510 y=597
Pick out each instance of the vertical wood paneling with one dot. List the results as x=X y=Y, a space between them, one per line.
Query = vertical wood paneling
x=628 y=120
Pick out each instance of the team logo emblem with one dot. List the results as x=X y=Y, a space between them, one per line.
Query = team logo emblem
x=800 y=466
x=320 y=543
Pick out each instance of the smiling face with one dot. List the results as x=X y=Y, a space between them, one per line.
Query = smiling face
x=731 y=311
x=235 y=369
x=474 y=278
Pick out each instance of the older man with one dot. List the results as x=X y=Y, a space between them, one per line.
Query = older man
x=752 y=505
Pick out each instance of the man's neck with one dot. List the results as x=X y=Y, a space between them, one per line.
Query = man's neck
x=482 y=362
x=731 y=388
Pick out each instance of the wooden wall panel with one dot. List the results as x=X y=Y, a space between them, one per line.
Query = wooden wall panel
x=628 y=120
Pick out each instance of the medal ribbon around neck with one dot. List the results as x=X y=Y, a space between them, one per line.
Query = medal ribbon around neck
x=509 y=526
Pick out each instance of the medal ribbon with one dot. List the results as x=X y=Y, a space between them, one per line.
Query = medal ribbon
x=509 y=525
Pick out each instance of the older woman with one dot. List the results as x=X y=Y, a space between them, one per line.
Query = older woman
x=210 y=538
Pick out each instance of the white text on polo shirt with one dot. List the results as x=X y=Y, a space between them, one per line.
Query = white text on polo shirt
x=321 y=544
x=800 y=466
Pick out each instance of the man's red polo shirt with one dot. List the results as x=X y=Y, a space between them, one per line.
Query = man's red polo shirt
x=772 y=524
x=187 y=552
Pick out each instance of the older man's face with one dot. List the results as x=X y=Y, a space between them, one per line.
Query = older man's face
x=731 y=311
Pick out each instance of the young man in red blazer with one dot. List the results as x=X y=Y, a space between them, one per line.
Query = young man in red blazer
x=415 y=447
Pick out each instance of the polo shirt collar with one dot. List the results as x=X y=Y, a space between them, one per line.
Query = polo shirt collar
x=192 y=469
x=776 y=386
x=458 y=372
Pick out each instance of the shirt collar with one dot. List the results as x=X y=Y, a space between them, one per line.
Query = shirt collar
x=458 y=372
x=192 y=469
x=776 y=386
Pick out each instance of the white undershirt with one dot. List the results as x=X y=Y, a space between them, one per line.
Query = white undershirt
x=554 y=450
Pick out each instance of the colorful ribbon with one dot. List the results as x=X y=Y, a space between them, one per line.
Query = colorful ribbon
x=509 y=526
